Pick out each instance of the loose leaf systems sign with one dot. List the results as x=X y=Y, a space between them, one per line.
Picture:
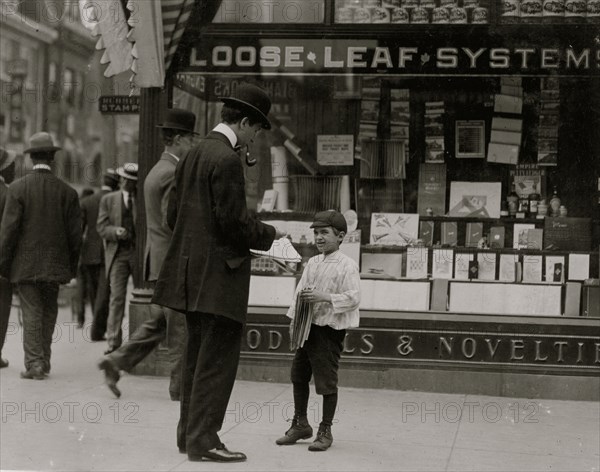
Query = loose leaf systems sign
x=488 y=56
x=120 y=104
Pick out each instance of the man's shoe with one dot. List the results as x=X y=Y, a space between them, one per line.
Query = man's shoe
x=300 y=430
x=111 y=375
x=219 y=454
x=3 y=363
x=34 y=372
x=323 y=440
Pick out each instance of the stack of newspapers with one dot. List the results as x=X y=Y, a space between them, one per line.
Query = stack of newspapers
x=301 y=324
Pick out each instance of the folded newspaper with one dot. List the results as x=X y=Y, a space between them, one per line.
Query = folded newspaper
x=281 y=250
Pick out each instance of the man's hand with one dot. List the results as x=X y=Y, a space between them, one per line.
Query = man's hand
x=314 y=296
x=122 y=233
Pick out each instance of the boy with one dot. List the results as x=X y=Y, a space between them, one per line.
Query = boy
x=331 y=283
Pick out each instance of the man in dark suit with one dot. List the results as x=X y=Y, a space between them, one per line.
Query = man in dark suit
x=206 y=272
x=92 y=255
x=116 y=226
x=40 y=239
x=7 y=174
x=178 y=134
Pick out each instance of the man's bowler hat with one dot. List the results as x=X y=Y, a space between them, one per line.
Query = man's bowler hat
x=179 y=119
x=250 y=98
x=128 y=171
x=330 y=218
x=6 y=158
x=41 y=142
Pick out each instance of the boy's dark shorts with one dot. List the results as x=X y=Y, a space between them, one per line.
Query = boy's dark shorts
x=320 y=356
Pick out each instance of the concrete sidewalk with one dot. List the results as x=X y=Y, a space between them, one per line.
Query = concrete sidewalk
x=72 y=422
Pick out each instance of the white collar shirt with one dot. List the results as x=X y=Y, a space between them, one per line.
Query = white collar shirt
x=227 y=131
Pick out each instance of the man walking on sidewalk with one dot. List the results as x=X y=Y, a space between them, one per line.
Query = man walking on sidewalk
x=178 y=134
x=116 y=225
x=40 y=239
x=92 y=255
x=206 y=272
x=7 y=174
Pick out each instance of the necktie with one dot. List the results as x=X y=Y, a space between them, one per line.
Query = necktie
x=130 y=201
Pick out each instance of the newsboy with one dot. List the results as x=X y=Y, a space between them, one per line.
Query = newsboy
x=40 y=240
x=206 y=272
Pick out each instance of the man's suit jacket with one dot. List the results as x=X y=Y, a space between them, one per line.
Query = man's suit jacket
x=110 y=217
x=92 y=249
x=3 y=192
x=157 y=188
x=40 y=235
x=207 y=267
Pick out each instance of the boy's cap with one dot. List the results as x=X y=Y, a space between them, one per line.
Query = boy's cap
x=330 y=218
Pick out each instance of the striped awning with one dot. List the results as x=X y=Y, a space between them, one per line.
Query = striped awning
x=146 y=43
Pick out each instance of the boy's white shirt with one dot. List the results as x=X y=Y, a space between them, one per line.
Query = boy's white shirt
x=338 y=275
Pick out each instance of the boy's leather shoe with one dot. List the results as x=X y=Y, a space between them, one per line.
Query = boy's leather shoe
x=111 y=375
x=300 y=430
x=323 y=440
x=218 y=454
x=3 y=363
x=34 y=372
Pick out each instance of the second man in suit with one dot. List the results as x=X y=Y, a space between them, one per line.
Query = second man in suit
x=92 y=255
x=178 y=135
x=116 y=225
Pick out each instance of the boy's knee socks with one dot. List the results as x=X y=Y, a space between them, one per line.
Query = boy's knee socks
x=301 y=394
x=329 y=406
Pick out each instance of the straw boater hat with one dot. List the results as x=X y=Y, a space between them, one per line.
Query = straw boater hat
x=6 y=158
x=179 y=119
x=128 y=171
x=41 y=142
x=250 y=98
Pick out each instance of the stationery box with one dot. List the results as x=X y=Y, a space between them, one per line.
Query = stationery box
x=507 y=104
x=449 y=233
x=507 y=124
x=572 y=299
x=439 y=295
x=474 y=234
x=496 y=237
x=473 y=269
x=426 y=232
x=590 y=300
x=501 y=153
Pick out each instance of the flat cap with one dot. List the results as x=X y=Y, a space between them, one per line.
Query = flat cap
x=330 y=218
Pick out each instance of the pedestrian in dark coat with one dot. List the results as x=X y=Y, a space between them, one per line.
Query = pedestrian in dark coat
x=40 y=240
x=7 y=174
x=163 y=323
x=206 y=273
x=92 y=255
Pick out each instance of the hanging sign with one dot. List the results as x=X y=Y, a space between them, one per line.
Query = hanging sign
x=119 y=104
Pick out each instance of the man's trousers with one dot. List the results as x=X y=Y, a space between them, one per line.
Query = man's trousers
x=209 y=368
x=39 y=305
